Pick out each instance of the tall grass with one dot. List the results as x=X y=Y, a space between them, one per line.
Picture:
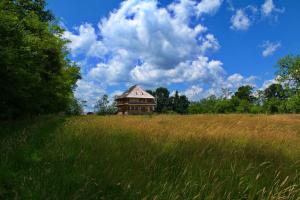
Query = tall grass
x=151 y=157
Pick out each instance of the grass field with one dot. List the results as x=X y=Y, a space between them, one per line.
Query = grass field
x=151 y=157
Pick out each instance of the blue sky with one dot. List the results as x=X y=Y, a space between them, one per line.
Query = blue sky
x=195 y=47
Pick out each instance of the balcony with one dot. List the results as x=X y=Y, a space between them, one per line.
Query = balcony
x=135 y=102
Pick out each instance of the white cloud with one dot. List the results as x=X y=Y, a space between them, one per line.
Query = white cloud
x=231 y=83
x=89 y=91
x=236 y=80
x=146 y=43
x=208 y=6
x=243 y=18
x=267 y=83
x=268 y=8
x=201 y=70
x=85 y=42
x=193 y=93
x=183 y=10
x=269 y=48
x=240 y=20
x=143 y=43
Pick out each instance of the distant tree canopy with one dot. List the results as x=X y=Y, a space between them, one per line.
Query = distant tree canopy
x=166 y=103
x=289 y=72
x=35 y=75
x=281 y=97
x=103 y=107
x=245 y=93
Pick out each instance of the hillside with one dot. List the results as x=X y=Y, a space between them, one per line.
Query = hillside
x=151 y=157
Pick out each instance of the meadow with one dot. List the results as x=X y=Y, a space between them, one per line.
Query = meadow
x=151 y=157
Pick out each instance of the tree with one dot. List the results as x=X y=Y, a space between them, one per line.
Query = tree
x=182 y=105
x=162 y=99
x=275 y=91
x=36 y=6
x=76 y=107
x=101 y=106
x=244 y=106
x=293 y=104
x=245 y=93
x=224 y=106
x=151 y=92
x=35 y=75
x=273 y=105
x=289 y=72
x=175 y=101
x=226 y=93
x=206 y=105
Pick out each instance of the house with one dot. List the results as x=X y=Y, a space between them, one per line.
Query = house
x=135 y=101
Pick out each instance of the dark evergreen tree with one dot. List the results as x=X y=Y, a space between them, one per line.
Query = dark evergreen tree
x=162 y=99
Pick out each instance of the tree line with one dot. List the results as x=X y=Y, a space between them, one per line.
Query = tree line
x=280 y=97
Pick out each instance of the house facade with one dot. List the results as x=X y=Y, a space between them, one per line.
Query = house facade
x=135 y=101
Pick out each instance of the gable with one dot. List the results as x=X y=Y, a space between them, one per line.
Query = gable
x=136 y=92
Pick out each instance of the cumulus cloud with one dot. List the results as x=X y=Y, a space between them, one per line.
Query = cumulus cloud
x=268 y=8
x=143 y=43
x=141 y=36
x=269 y=48
x=184 y=9
x=230 y=83
x=85 y=41
x=193 y=93
x=201 y=70
x=240 y=20
x=267 y=83
x=89 y=91
x=243 y=17
x=208 y=6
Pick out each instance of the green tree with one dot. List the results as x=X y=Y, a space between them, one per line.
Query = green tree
x=245 y=93
x=76 y=107
x=275 y=91
x=273 y=105
x=182 y=105
x=206 y=105
x=289 y=72
x=151 y=92
x=244 y=106
x=35 y=75
x=224 y=106
x=256 y=109
x=293 y=104
x=162 y=99
x=102 y=105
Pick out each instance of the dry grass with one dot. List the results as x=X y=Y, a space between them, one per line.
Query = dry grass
x=277 y=130
x=152 y=157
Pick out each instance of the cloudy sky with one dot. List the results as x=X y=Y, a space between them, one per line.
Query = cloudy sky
x=194 y=46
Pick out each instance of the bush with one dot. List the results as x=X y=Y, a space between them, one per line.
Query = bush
x=256 y=109
x=75 y=107
x=293 y=104
x=224 y=106
x=244 y=106
x=273 y=105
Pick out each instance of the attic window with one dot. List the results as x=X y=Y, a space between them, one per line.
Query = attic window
x=142 y=93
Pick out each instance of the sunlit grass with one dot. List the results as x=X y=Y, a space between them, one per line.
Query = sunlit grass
x=152 y=157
